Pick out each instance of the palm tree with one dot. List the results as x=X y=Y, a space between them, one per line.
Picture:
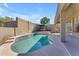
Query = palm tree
x=44 y=21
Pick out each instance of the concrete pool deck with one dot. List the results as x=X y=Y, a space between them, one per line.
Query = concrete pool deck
x=72 y=45
x=5 y=49
x=70 y=48
x=55 y=49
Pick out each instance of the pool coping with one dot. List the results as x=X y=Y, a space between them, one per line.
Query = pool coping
x=14 y=37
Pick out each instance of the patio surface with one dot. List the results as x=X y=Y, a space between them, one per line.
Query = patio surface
x=55 y=49
x=72 y=45
x=70 y=48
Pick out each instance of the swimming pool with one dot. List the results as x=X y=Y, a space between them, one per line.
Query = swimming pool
x=26 y=44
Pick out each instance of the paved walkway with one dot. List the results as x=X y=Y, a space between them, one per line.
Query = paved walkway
x=72 y=45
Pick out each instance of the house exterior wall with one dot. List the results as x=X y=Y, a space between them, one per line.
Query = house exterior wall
x=71 y=11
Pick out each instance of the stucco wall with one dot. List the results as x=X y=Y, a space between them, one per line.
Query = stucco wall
x=31 y=27
x=56 y=28
x=5 y=32
x=72 y=11
x=24 y=27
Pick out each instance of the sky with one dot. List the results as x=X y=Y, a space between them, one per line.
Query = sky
x=32 y=12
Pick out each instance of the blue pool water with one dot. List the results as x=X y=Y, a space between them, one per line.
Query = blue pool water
x=41 y=43
x=26 y=44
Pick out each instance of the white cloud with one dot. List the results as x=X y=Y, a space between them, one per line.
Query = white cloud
x=29 y=17
x=2 y=11
x=6 y=5
x=18 y=15
x=33 y=17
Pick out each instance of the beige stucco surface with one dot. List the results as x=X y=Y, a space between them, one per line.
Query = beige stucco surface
x=70 y=11
x=24 y=27
x=7 y=32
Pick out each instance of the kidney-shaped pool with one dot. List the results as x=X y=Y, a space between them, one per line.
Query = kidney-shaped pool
x=25 y=44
